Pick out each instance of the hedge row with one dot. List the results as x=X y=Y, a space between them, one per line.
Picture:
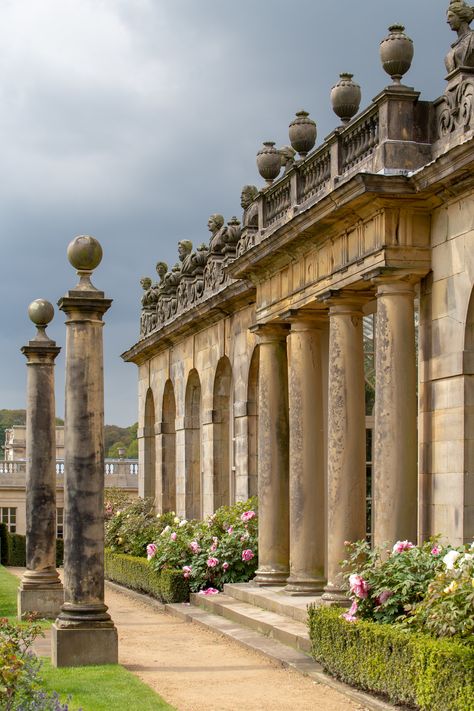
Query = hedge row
x=13 y=548
x=136 y=573
x=407 y=667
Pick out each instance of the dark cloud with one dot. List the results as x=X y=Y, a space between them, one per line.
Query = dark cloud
x=135 y=121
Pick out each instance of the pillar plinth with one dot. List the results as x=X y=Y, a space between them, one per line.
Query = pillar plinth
x=307 y=462
x=40 y=588
x=346 y=437
x=395 y=443
x=273 y=529
x=84 y=633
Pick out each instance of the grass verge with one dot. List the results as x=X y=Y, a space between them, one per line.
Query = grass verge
x=8 y=586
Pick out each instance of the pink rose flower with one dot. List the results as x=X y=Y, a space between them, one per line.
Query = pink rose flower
x=401 y=546
x=358 y=586
x=436 y=550
x=247 y=515
x=209 y=591
x=215 y=541
x=225 y=566
x=230 y=530
x=382 y=598
x=174 y=536
x=247 y=555
x=150 y=550
x=194 y=546
x=187 y=571
x=350 y=615
x=212 y=562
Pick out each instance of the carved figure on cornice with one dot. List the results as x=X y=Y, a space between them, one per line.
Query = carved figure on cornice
x=232 y=236
x=249 y=206
x=148 y=312
x=459 y=16
x=287 y=154
x=214 y=275
x=186 y=256
x=217 y=229
x=171 y=280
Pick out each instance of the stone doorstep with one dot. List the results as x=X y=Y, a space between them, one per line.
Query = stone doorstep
x=273 y=599
x=276 y=651
x=271 y=624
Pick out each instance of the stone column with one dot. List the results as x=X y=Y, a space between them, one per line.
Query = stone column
x=346 y=436
x=395 y=444
x=40 y=589
x=84 y=633
x=307 y=469
x=273 y=529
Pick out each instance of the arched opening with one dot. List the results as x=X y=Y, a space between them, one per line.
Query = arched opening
x=468 y=533
x=193 y=446
x=252 y=410
x=222 y=474
x=168 y=449
x=149 y=483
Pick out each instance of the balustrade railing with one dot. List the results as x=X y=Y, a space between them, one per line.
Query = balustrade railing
x=359 y=140
x=314 y=174
x=118 y=469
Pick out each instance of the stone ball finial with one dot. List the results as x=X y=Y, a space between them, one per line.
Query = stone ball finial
x=84 y=253
x=41 y=312
x=396 y=53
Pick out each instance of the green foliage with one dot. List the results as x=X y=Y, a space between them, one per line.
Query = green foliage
x=222 y=549
x=132 y=527
x=17 y=550
x=4 y=544
x=408 y=667
x=385 y=584
x=448 y=608
x=135 y=573
x=115 y=499
x=8 y=592
x=121 y=437
x=102 y=688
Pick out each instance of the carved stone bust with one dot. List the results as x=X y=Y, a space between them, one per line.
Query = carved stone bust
x=186 y=256
x=459 y=16
x=247 y=197
x=217 y=230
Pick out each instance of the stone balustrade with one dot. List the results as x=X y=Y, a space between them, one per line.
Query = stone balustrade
x=121 y=473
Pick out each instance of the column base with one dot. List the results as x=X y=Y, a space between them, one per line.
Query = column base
x=81 y=647
x=335 y=596
x=304 y=586
x=44 y=601
x=270 y=577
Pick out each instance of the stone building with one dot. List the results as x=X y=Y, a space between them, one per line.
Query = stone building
x=15 y=443
x=257 y=351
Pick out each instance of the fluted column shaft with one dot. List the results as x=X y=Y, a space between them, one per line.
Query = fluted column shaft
x=306 y=447
x=346 y=436
x=395 y=445
x=273 y=544
x=40 y=588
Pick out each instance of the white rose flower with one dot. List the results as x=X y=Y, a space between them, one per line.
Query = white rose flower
x=450 y=558
x=182 y=523
x=176 y=519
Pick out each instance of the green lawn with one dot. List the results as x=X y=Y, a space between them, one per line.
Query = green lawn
x=99 y=688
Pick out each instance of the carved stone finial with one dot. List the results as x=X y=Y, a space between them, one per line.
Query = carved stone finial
x=345 y=97
x=396 y=53
x=302 y=132
x=287 y=154
x=41 y=312
x=268 y=162
x=459 y=16
x=85 y=254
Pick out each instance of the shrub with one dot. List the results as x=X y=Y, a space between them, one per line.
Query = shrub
x=17 y=553
x=222 y=549
x=132 y=527
x=4 y=544
x=409 y=667
x=135 y=573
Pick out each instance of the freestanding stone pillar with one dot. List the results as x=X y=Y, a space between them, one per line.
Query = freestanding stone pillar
x=273 y=527
x=346 y=436
x=40 y=589
x=84 y=633
x=395 y=446
x=307 y=461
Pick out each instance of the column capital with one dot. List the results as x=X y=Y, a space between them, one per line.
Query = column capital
x=304 y=319
x=84 y=306
x=41 y=352
x=342 y=301
x=387 y=275
x=269 y=332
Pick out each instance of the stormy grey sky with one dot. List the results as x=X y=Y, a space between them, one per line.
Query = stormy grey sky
x=134 y=120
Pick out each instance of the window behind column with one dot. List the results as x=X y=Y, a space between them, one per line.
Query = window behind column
x=8 y=516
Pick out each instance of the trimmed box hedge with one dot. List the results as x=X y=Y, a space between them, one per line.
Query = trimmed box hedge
x=16 y=549
x=4 y=544
x=408 y=667
x=136 y=573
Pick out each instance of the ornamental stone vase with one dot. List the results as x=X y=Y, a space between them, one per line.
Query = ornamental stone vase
x=396 y=53
x=302 y=133
x=345 y=98
x=269 y=162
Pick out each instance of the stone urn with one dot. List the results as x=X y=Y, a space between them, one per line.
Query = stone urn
x=345 y=97
x=269 y=162
x=396 y=53
x=302 y=133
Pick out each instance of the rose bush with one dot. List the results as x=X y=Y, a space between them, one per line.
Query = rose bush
x=131 y=528
x=221 y=549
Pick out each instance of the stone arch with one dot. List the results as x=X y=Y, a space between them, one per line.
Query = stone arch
x=193 y=446
x=252 y=410
x=223 y=484
x=149 y=474
x=468 y=513
x=168 y=449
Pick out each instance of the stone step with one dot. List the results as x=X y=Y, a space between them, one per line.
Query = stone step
x=276 y=651
x=273 y=599
x=271 y=624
